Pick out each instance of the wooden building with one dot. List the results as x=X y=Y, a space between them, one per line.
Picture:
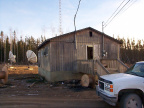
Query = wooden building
x=70 y=55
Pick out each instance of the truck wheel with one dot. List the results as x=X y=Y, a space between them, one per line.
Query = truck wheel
x=130 y=101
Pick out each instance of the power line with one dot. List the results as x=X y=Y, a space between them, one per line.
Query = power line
x=130 y=5
x=117 y=13
x=114 y=12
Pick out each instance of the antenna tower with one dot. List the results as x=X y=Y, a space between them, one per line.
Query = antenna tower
x=60 y=20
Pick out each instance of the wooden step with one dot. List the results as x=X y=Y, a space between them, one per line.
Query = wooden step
x=105 y=65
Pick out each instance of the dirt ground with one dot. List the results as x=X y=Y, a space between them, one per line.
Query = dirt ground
x=31 y=91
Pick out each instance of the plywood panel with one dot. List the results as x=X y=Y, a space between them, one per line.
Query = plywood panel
x=97 y=52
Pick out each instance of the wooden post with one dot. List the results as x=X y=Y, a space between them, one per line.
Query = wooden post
x=102 y=40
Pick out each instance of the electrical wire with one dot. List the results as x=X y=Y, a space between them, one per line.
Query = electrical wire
x=130 y=5
x=116 y=14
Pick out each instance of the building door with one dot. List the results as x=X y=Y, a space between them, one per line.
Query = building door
x=89 y=52
x=96 y=52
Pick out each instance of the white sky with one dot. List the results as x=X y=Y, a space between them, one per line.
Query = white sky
x=36 y=18
x=129 y=23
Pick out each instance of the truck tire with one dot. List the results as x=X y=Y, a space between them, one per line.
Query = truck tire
x=130 y=101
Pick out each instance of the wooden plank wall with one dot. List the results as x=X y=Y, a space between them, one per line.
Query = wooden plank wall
x=63 y=54
x=112 y=49
x=85 y=66
x=44 y=60
x=111 y=63
x=84 y=40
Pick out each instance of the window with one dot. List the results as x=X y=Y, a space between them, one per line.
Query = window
x=90 y=34
x=39 y=54
x=46 y=51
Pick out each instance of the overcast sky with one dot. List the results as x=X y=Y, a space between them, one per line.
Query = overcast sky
x=41 y=17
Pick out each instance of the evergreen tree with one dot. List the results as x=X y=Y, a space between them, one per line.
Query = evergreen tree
x=7 y=48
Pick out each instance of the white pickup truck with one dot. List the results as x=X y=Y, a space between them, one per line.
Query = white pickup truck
x=127 y=88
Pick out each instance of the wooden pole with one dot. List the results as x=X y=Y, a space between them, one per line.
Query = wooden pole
x=102 y=40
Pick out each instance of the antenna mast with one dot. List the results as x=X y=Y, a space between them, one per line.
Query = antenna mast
x=60 y=20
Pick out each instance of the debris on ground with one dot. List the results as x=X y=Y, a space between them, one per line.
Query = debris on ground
x=31 y=84
x=34 y=80
x=3 y=86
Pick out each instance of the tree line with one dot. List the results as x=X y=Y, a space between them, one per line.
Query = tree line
x=131 y=50
x=18 y=47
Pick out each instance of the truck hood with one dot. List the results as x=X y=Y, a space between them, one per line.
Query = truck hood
x=125 y=81
x=118 y=76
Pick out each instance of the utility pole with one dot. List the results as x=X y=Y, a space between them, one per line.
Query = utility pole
x=103 y=51
x=60 y=19
x=102 y=27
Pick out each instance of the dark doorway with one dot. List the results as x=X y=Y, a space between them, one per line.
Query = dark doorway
x=89 y=53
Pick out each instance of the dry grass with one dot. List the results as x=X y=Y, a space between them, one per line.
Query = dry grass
x=21 y=69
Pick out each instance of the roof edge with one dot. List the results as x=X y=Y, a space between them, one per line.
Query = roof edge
x=48 y=40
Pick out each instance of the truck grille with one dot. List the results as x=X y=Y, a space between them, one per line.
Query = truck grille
x=101 y=85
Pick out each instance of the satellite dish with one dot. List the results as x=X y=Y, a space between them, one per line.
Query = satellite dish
x=31 y=56
x=12 y=57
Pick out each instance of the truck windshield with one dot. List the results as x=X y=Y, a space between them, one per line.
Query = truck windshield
x=137 y=69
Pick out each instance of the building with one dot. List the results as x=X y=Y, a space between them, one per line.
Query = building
x=70 y=55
